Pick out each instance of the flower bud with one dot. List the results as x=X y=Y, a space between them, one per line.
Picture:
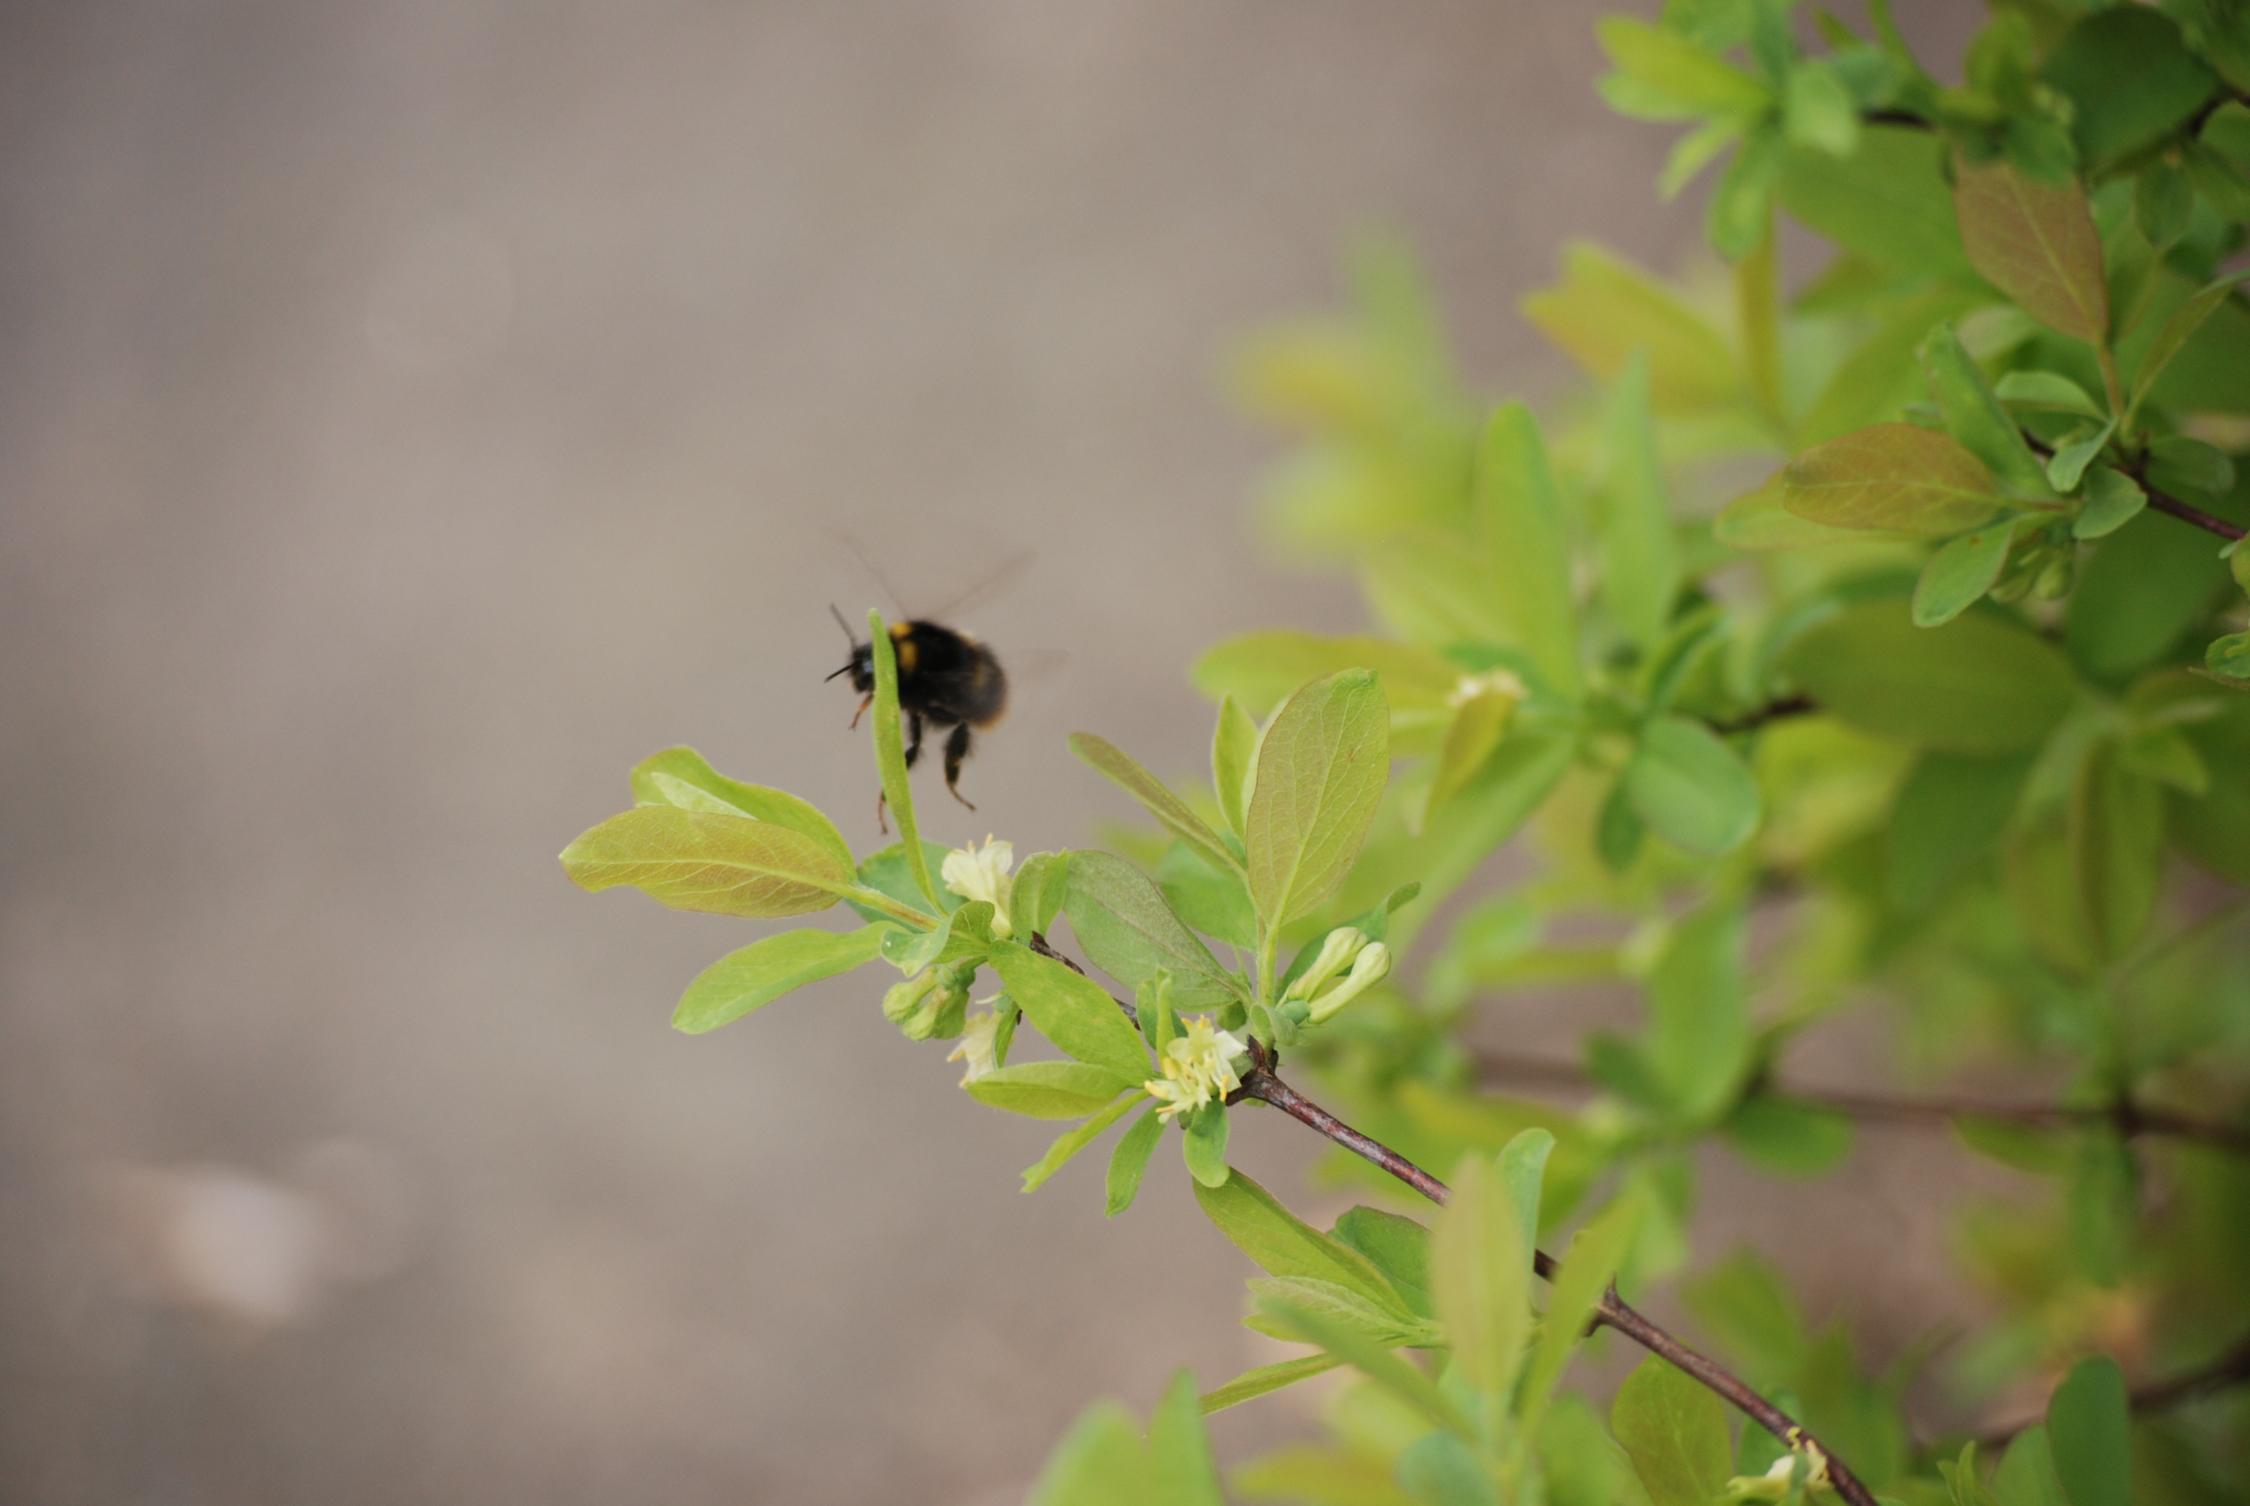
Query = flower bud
x=1340 y=947
x=1369 y=968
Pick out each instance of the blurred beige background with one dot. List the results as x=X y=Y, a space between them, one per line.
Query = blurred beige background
x=410 y=415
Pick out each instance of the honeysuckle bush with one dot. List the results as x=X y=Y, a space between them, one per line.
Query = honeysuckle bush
x=1897 y=613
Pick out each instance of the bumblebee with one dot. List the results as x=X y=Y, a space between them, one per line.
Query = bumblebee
x=946 y=678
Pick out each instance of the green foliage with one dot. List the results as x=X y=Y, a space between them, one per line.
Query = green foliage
x=1943 y=724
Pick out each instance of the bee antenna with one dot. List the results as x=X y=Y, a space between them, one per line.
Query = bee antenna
x=849 y=636
x=847 y=669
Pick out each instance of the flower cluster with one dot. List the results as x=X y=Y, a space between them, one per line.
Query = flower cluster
x=1318 y=993
x=1199 y=1068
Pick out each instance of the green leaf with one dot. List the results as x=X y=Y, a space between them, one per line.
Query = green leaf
x=2188 y=318
x=1170 y=811
x=1399 y=1247
x=1761 y=519
x=2102 y=1202
x=2130 y=80
x=1336 y=1305
x=1129 y=1162
x=1267 y=1379
x=1886 y=201
x=1073 y=1011
x=1699 y=1034
x=1604 y=309
x=961 y=935
x=1788 y=1138
x=2036 y=243
x=887 y=872
x=1959 y=574
x=1980 y=684
x=2068 y=464
x=1211 y=900
x=1129 y=931
x=2229 y=655
x=1439 y=1469
x=1179 y=1449
x=1234 y=755
x=1949 y=812
x=2143 y=590
x=1478 y=724
x=1520 y=514
x=1036 y=896
x=1072 y=1141
x=2116 y=823
x=1675 y=1432
x=1281 y=1244
x=2113 y=499
x=2163 y=203
x=2026 y=1476
x=2047 y=392
x=1099 y=1462
x=1480 y=1272
x=1819 y=111
x=890 y=757
x=708 y=861
x=1322 y=765
x=1741 y=206
x=1588 y=1266
x=1371 y=1357
x=1204 y=1146
x=763 y=971
x=2089 y=1434
x=1259 y=670
x=1689 y=786
x=1684 y=77
x=1973 y=414
x=1046 y=1090
x=1640 y=562
x=681 y=777
x=1892 y=478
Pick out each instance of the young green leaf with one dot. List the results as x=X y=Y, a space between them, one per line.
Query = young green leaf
x=1787 y=1138
x=1398 y=1245
x=1668 y=67
x=2113 y=499
x=2130 y=79
x=1761 y=519
x=1604 y=309
x=2068 y=464
x=1689 y=786
x=2174 y=336
x=1211 y=900
x=763 y=971
x=1675 y=1432
x=1073 y=1011
x=1099 y=1462
x=2117 y=848
x=1171 y=812
x=1886 y=200
x=1281 y=1244
x=1371 y=1357
x=1588 y=1266
x=1128 y=1163
x=1699 y=1032
x=681 y=777
x=1204 y=1146
x=887 y=872
x=890 y=757
x=1973 y=414
x=2089 y=1434
x=1520 y=517
x=1959 y=574
x=1074 y=1140
x=1267 y=1379
x=1948 y=813
x=1480 y=1274
x=1640 y=563
x=1259 y=670
x=1129 y=931
x=1234 y=755
x=1322 y=765
x=1046 y=1090
x=2036 y=243
x=2163 y=203
x=1036 y=897
x=962 y=934
x=1441 y=1469
x=2047 y=392
x=1180 y=1451
x=1339 y=1305
x=1479 y=722
x=709 y=861
x=1980 y=684
x=1819 y=111
x=1892 y=478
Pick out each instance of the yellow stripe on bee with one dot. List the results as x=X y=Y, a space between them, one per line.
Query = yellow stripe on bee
x=902 y=637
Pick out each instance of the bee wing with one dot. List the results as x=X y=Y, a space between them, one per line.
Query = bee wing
x=850 y=541
x=1003 y=574
x=1029 y=668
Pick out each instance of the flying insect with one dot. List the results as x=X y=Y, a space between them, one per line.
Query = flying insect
x=946 y=678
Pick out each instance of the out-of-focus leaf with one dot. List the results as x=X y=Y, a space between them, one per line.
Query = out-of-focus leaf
x=763 y=971
x=1099 y=1462
x=1761 y=519
x=1980 y=684
x=1480 y=1271
x=2139 y=593
x=1588 y=1266
x=1887 y=200
x=1639 y=558
x=1604 y=309
x=2113 y=499
x=1267 y=1379
x=1399 y=1247
x=1675 y=75
x=2116 y=847
x=1699 y=1037
x=2089 y=1434
x=1479 y=722
x=1689 y=786
x=2176 y=331
x=1948 y=813
x=1789 y=1138
x=1259 y=670
x=2026 y=1476
x=2130 y=80
x=1893 y=478
x=1959 y=574
x=2047 y=392
x=1520 y=518
x=1973 y=415
x=2036 y=243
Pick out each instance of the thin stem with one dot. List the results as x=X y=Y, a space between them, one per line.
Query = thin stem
x=2158 y=501
x=1612 y=1311
x=1772 y=711
x=2230 y=1369
x=875 y=899
x=2127 y=1117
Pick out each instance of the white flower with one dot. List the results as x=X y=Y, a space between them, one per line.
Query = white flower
x=1492 y=682
x=979 y=1048
x=975 y=872
x=1198 y=1067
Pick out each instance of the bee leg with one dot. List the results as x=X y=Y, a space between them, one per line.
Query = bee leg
x=865 y=701
x=913 y=737
x=882 y=803
x=957 y=749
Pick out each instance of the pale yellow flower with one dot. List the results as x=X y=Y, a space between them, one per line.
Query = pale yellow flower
x=975 y=872
x=1198 y=1066
x=978 y=1050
